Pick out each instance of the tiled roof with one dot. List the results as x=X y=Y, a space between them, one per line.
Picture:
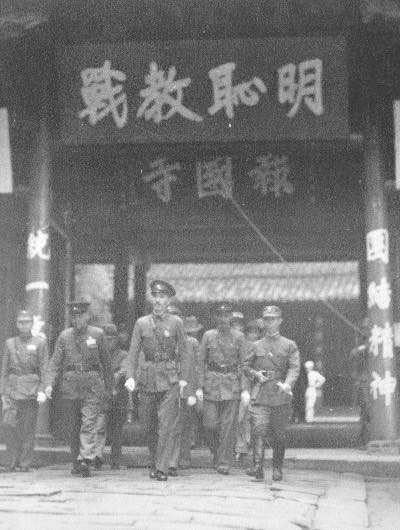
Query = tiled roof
x=256 y=282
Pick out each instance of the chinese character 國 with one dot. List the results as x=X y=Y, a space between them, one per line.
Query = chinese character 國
x=379 y=294
x=163 y=96
x=37 y=243
x=215 y=178
x=161 y=175
x=227 y=96
x=102 y=97
x=301 y=83
x=383 y=387
x=378 y=245
x=271 y=175
x=381 y=341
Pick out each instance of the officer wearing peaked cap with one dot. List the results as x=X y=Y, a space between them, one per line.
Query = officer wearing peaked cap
x=163 y=378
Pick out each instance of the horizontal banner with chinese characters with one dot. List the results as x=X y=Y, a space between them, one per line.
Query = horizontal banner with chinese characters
x=202 y=91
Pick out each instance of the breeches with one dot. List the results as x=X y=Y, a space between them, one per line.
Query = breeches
x=270 y=421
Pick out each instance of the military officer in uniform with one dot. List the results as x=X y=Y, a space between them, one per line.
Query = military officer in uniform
x=273 y=366
x=22 y=383
x=163 y=378
x=81 y=365
x=221 y=386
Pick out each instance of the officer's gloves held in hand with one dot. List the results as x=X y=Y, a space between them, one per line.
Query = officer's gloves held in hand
x=260 y=377
x=199 y=394
x=245 y=397
x=41 y=397
x=285 y=387
x=130 y=384
x=48 y=392
x=191 y=401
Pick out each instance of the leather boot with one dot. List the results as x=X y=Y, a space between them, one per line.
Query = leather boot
x=258 y=459
x=252 y=470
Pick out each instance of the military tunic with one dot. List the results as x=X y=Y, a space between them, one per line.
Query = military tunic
x=81 y=365
x=22 y=377
x=162 y=340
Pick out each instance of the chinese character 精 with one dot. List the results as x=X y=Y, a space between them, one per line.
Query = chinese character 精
x=307 y=86
x=378 y=245
x=271 y=175
x=161 y=175
x=102 y=97
x=381 y=341
x=227 y=95
x=383 y=387
x=37 y=243
x=163 y=96
x=215 y=178
x=380 y=295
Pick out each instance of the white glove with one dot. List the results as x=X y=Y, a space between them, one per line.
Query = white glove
x=245 y=397
x=130 y=384
x=182 y=385
x=3 y=401
x=191 y=401
x=199 y=394
x=285 y=387
x=48 y=391
x=41 y=397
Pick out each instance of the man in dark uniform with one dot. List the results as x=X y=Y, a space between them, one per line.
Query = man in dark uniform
x=273 y=366
x=23 y=371
x=222 y=385
x=81 y=364
x=163 y=378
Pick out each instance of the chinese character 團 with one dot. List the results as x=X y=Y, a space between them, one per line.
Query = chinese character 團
x=215 y=178
x=379 y=294
x=227 y=96
x=383 y=387
x=161 y=174
x=37 y=243
x=163 y=96
x=102 y=97
x=381 y=341
x=271 y=175
x=378 y=245
x=302 y=82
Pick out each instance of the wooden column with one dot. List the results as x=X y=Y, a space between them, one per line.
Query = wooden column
x=141 y=264
x=121 y=279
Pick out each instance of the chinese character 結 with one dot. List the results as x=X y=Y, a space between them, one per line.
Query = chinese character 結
x=379 y=294
x=302 y=82
x=383 y=387
x=378 y=245
x=271 y=175
x=163 y=96
x=102 y=97
x=381 y=341
x=227 y=96
x=214 y=178
x=161 y=175
x=37 y=243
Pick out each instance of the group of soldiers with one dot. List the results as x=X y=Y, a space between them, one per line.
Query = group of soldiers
x=227 y=376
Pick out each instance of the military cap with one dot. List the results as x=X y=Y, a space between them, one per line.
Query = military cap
x=192 y=325
x=237 y=315
x=272 y=311
x=174 y=309
x=160 y=286
x=24 y=315
x=223 y=310
x=78 y=307
x=110 y=330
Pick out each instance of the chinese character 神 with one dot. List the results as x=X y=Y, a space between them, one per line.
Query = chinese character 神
x=102 y=97
x=378 y=245
x=380 y=295
x=164 y=91
x=381 y=341
x=214 y=178
x=383 y=387
x=271 y=175
x=307 y=86
x=228 y=96
x=37 y=243
x=162 y=175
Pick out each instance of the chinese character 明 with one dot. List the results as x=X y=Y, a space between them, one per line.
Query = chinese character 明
x=271 y=175
x=162 y=175
x=378 y=245
x=228 y=96
x=102 y=97
x=37 y=243
x=383 y=387
x=380 y=295
x=163 y=96
x=381 y=341
x=214 y=178
x=306 y=85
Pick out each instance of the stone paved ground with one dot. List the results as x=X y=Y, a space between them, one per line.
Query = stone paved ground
x=50 y=498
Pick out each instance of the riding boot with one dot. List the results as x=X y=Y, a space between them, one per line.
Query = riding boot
x=259 y=446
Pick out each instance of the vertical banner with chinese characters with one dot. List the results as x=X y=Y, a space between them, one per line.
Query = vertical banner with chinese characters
x=185 y=91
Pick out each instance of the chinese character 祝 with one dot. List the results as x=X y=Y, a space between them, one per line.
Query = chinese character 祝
x=271 y=175
x=380 y=295
x=162 y=175
x=378 y=245
x=215 y=178
x=102 y=97
x=381 y=341
x=228 y=96
x=163 y=96
x=383 y=387
x=306 y=85
x=37 y=243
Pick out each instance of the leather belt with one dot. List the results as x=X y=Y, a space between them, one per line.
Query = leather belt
x=270 y=375
x=80 y=367
x=157 y=358
x=222 y=368
x=21 y=372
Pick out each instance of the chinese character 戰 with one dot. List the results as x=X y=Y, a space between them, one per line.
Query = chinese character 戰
x=379 y=294
x=102 y=97
x=163 y=96
x=227 y=95
x=378 y=245
x=383 y=387
x=381 y=341
x=271 y=175
x=37 y=243
x=161 y=175
x=306 y=85
x=214 y=178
